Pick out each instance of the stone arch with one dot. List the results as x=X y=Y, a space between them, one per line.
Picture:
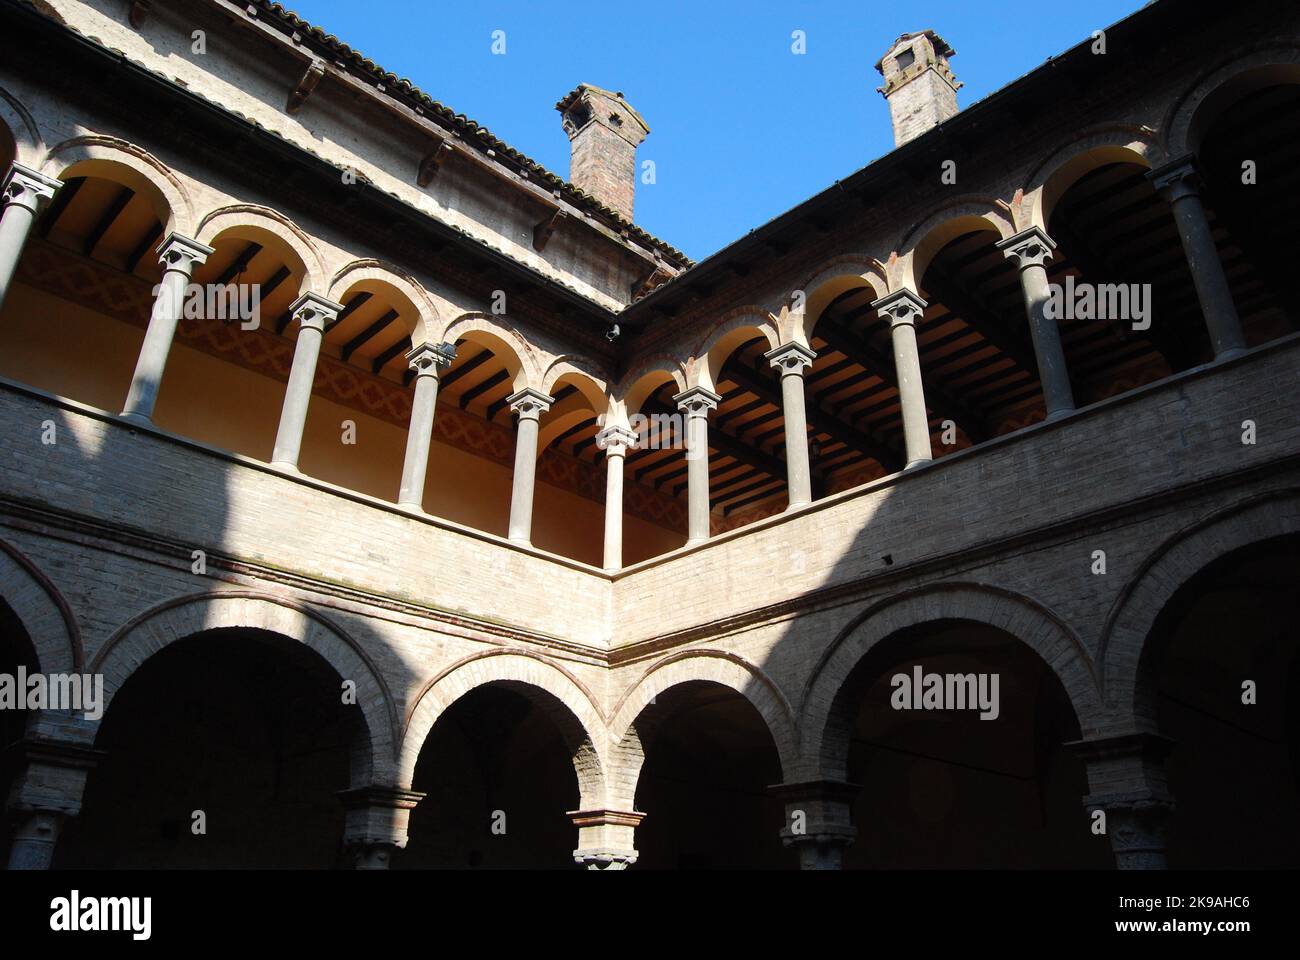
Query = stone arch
x=555 y=690
x=155 y=629
x=825 y=718
x=1124 y=640
x=514 y=351
x=264 y=219
x=592 y=398
x=729 y=332
x=379 y=271
x=44 y=613
x=133 y=166
x=943 y=224
x=29 y=147
x=831 y=279
x=1088 y=150
x=1262 y=64
x=684 y=666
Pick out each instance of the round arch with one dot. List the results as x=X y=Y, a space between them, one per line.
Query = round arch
x=829 y=281
x=132 y=166
x=639 y=383
x=158 y=628
x=23 y=133
x=686 y=666
x=371 y=273
x=963 y=215
x=511 y=349
x=1093 y=148
x=1175 y=562
x=732 y=329
x=552 y=688
x=43 y=611
x=1264 y=64
x=251 y=221
x=825 y=713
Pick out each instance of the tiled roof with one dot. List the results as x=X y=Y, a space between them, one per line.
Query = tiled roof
x=475 y=134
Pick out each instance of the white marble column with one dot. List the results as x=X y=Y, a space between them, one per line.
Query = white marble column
x=615 y=441
x=313 y=312
x=1179 y=184
x=529 y=404
x=904 y=310
x=791 y=360
x=696 y=403
x=1032 y=249
x=178 y=256
x=24 y=191
x=426 y=360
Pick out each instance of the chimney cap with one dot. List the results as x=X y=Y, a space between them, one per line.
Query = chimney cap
x=588 y=89
x=941 y=46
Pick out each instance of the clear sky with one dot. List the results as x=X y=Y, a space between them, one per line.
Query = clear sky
x=742 y=128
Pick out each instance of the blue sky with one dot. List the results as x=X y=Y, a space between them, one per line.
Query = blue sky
x=742 y=129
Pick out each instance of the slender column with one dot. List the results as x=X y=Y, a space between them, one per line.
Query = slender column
x=615 y=442
x=375 y=823
x=426 y=360
x=178 y=256
x=792 y=359
x=904 y=310
x=605 y=838
x=47 y=795
x=24 y=191
x=529 y=404
x=1127 y=782
x=1032 y=249
x=1179 y=184
x=312 y=312
x=696 y=404
x=818 y=821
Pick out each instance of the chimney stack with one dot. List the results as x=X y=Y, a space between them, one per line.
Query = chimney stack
x=604 y=132
x=919 y=84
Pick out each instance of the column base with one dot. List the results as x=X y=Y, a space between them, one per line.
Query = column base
x=912 y=464
x=137 y=418
x=797 y=505
x=1058 y=414
x=285 y=466
x=417 y=507
x=1231 y=353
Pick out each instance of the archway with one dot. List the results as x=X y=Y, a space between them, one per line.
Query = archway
x=244 y=726
x=1222 y=661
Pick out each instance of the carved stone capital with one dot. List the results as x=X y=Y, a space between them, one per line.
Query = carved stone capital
x=181 y=253
x=791 y=359
x=1031 y=248
x=314 y=312
x=26 y=187
x=375 y=822
x=1176 y=179
x=616 y=441
x=901 y=307
x=529 y=404
x=697 y=401
x=428 y=359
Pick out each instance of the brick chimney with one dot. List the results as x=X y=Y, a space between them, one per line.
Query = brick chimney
x=919 y=84
x=604 y=132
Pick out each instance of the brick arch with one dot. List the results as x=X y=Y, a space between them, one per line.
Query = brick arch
x=150 y=632
x=723 y=338
x=556 y=691
x=1087 y=150
x=29 y=147
x=590 y=383
x=827 y=709
x=138 y=168
x=1280 y=57
x=628 y=395
x=224 y=219
x=685 y=666
x=428 y=320
x=924 y=239
x=829 y=280
x=513 y=350
x=1122 y=653
x=43 y=612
